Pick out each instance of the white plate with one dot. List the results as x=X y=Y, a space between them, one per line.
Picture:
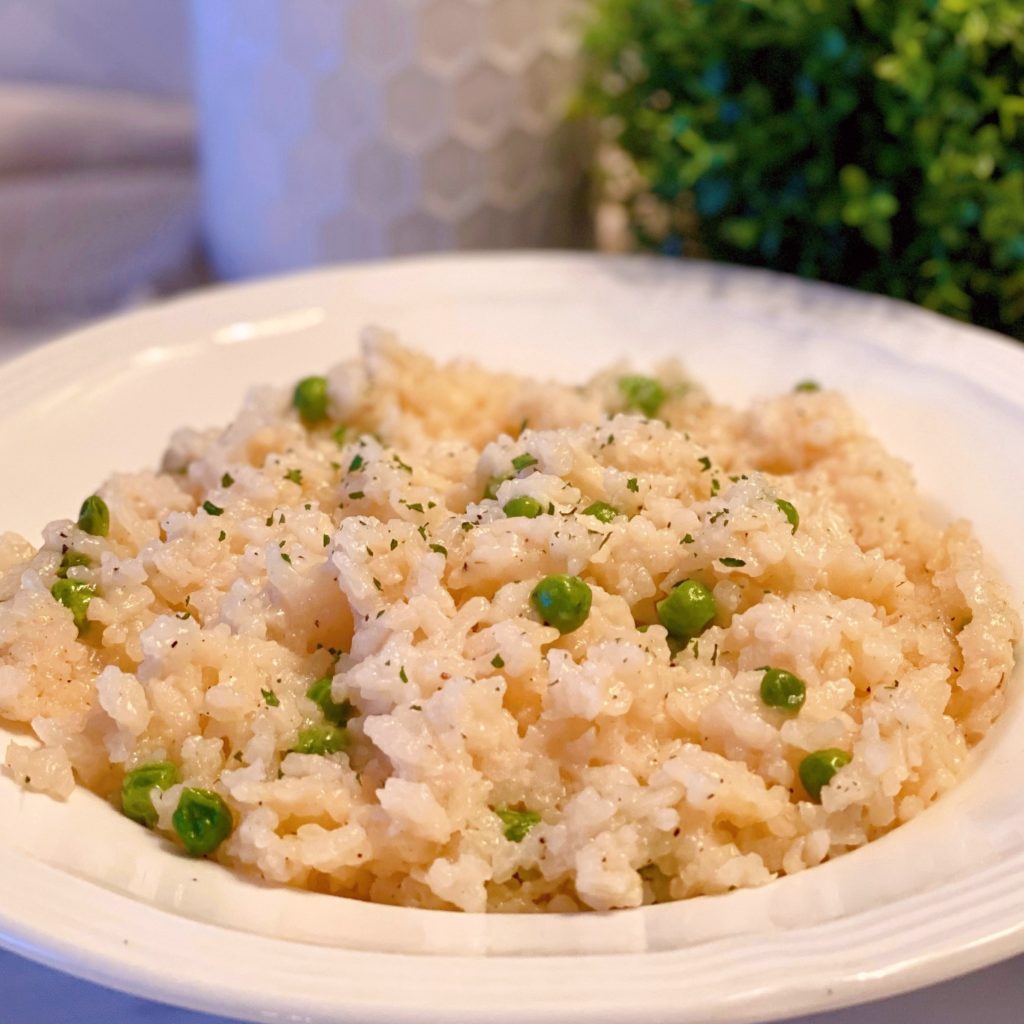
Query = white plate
x=84 y=890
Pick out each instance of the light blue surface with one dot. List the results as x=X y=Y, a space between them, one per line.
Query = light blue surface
x=30 y=994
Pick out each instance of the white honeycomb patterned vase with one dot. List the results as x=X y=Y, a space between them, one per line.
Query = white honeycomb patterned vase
x=355 y=129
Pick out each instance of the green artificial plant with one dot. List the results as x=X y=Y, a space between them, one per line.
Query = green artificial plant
x=875 y=143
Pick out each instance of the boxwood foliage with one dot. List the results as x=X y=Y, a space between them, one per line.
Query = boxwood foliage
x=875 y=143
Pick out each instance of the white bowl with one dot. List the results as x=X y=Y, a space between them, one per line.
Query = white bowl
x=85 y=890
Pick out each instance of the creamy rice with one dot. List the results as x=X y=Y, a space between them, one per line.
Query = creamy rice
x=635 y=769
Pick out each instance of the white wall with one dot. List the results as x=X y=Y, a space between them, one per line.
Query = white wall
x=141 y=45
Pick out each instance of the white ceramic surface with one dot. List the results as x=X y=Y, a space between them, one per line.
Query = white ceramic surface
x=85 y=890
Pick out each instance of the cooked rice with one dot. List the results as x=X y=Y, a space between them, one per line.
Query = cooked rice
x=656 y=775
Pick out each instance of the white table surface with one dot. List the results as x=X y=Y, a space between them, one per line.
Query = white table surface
x=30 y=994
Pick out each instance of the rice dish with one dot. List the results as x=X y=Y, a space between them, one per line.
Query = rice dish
x=323 y=644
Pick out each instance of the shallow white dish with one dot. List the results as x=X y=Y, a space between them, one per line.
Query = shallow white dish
x=84 y=890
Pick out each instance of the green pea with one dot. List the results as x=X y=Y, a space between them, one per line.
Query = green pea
x=137 y=790
x=517 y=823
x=94 y=516
x=562 y=601
x=310 y=399
x=788 y=509
x=782 y=689
x=522 y=507
x=687 y=610
x=319 y=693
x=322 y=739
x=75 y=595
x=602 y=511
x=70 y=560
x=493 y=483
x=642 y=394
x=817 y=770
x=202 y=821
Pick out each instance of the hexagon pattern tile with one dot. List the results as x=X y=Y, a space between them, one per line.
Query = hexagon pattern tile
x=365 y=128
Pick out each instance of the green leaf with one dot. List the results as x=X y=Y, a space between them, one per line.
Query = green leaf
x=878 y=145
x=517 y=823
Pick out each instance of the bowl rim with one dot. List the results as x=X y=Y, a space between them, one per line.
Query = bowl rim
x=120 y=953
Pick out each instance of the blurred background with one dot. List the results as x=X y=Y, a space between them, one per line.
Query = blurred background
x=153 y=146
x=99 y=199
x=147 y=146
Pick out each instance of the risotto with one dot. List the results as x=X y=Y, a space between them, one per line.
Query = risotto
x=440 y=637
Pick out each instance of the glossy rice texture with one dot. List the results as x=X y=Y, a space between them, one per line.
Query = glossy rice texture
x=657 y=772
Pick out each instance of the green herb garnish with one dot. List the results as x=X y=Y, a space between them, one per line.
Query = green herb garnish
x=789 y=511
x=517 y=823
x=642 y=394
